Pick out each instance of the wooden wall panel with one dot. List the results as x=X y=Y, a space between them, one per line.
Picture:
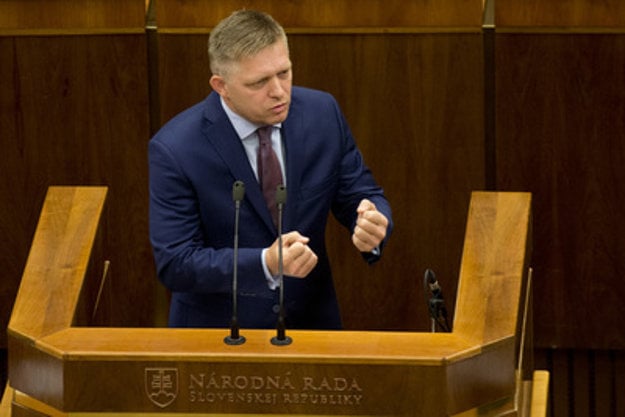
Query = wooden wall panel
x=560 y=124
x=584 y=382
x=330 y=14
x=75 y=112
x=414 y=101
x=561 y=14
x=18 y=211
x=183 y=72
x=36 y=16
x=561 y=135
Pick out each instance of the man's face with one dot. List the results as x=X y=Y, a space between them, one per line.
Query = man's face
x=258 y=88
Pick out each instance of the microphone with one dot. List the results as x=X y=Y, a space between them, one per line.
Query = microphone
x=436 y=303
x=281 y=339
x=238 y=192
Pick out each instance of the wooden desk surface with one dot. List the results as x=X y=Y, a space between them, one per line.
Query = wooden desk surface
x=207 y=344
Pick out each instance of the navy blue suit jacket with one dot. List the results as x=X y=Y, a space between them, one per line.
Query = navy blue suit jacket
x=194 y=160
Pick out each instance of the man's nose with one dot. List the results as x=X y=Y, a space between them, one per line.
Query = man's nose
x=275 y=87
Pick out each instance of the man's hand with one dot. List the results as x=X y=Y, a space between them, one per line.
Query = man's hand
x=298 y=259
x=371 y=227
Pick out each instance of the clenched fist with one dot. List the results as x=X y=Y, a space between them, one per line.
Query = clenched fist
x=371 y=227
x=298 y=258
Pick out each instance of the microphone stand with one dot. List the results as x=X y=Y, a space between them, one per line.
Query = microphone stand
x=436 y=303
x=438 y=314
x=281 y=339
x=238 y=191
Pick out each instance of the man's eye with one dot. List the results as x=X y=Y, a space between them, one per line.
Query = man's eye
x=258 y=84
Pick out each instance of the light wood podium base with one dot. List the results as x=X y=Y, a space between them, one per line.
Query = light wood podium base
x=531 y=402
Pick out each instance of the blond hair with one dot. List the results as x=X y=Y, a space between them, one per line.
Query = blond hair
x=242 y=34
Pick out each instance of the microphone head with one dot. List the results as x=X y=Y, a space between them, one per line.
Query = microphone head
x=430 y=278
x=238 y=190
x=432 y=282
x=280 y=194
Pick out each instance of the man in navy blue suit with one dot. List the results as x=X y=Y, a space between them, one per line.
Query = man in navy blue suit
x=198 y=155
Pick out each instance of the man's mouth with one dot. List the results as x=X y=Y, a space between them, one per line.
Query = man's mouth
x=279 y=108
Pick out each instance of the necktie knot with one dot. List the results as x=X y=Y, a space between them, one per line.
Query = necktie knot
x=264 y=135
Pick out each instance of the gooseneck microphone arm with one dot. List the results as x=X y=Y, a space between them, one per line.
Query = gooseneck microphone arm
x=238 y=192
x=281 y=338
x=436 y=302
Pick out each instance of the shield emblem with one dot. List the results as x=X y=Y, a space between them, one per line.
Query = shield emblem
x=161 y=385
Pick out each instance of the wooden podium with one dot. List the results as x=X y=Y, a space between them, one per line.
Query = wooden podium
x=57 y=367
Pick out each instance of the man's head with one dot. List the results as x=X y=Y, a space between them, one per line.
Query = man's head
x=251 y=68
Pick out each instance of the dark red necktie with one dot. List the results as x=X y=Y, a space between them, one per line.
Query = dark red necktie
x=269 y=171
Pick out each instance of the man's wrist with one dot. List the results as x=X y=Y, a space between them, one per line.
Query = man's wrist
x=271 y=280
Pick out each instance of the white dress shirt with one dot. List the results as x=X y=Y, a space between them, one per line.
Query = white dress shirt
x=246 y=131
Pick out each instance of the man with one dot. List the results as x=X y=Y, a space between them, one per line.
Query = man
x=198 y=155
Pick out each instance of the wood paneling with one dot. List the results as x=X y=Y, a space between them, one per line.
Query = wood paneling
x=560 y=135
x=183 y=72
x=335 y=14
x=19 y=209
x=560 y=14
x=584 y=382
x=75 y=112
x=34 y=16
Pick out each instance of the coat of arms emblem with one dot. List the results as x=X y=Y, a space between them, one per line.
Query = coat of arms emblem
x=161 y=385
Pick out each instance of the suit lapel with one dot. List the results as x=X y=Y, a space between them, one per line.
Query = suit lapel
x=295 y=154
x=227 y=144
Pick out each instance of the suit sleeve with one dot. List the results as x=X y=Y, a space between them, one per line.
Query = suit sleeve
x=183 y=260
x=356 y=183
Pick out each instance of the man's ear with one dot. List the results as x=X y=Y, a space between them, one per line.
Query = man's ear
x=218 y=84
